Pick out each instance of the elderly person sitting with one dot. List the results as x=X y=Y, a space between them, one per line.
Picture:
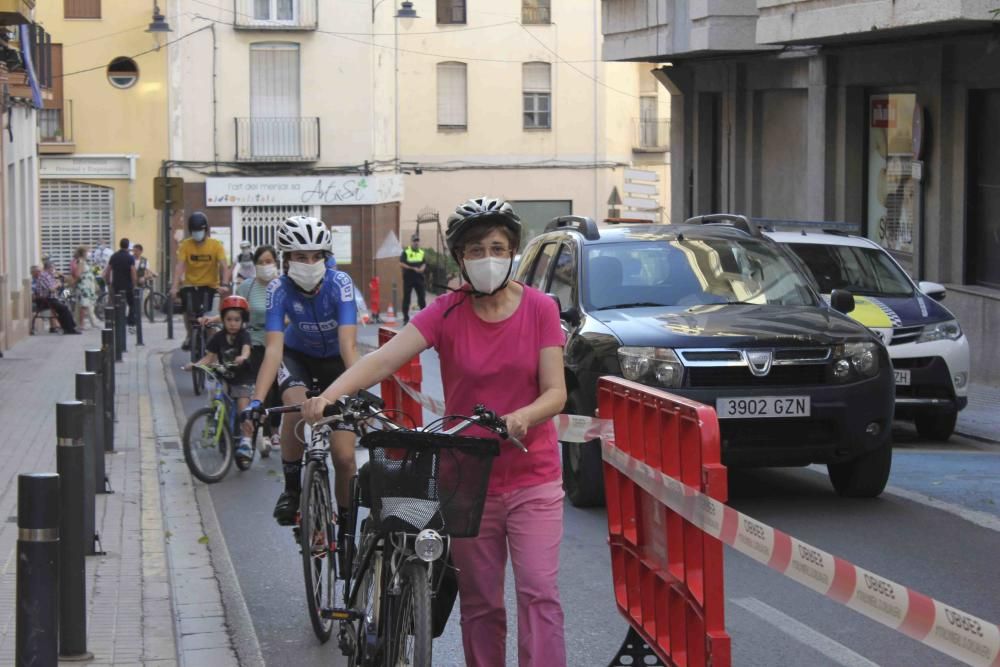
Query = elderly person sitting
x=44 y=291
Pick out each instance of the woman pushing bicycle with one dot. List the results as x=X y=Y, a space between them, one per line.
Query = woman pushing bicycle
x=500 y=344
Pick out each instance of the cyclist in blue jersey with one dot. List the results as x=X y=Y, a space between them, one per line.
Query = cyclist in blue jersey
x=315 y=346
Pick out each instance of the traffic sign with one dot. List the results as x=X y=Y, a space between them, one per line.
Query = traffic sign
x=168 y=193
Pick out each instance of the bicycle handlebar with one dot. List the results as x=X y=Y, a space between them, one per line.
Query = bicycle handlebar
x=353 y=410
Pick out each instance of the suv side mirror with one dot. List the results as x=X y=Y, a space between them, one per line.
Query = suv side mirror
x=935 y=291
x=567 y=314
x=842 y=301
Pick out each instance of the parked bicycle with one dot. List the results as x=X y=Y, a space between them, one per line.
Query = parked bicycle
x=423 y=487
x=211 y=432
x=154 y=304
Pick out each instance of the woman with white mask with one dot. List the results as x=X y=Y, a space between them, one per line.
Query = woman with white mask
x=500 y=344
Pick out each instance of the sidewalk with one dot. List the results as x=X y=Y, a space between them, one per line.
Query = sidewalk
x=154 y=598
x=981 y=418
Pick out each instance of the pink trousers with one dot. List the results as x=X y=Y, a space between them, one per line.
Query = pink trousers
x=529 y=523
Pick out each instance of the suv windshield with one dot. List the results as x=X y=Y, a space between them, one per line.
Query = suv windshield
x=691 y=272
x=864 y=271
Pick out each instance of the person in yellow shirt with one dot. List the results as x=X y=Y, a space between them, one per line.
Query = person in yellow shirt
x=202 y=263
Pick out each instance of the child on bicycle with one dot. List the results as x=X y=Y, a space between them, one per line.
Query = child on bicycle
x=231 y=347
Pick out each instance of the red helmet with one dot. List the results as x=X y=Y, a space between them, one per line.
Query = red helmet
x=237 y=302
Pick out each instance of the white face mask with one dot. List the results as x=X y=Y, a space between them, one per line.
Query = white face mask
x=488 y=274
x=267 y=272
x=306 y=276
x=198 y=236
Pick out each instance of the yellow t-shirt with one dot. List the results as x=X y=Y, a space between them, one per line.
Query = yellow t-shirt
x=201 y=262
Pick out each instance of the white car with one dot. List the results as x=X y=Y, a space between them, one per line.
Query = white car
x=929 y=352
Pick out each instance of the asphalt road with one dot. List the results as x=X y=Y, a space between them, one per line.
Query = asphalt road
x=946 y=546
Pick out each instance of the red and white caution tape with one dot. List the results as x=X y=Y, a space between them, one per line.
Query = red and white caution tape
x=571 y=428
x=962 y=636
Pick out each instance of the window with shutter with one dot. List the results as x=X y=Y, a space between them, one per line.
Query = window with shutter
x=536 y=11
x=451 y=96
x=82 y=9
x=451 y=11
x=537 y=94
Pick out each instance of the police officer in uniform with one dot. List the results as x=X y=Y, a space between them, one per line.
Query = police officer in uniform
x=412 y=261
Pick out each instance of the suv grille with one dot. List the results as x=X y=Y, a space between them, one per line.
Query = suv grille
x=902 y=335
x=740 y=376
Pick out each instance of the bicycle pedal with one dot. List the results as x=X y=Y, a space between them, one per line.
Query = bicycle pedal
x=338 y=614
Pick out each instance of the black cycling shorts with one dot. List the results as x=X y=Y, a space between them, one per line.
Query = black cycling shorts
x=195 y=296
x=301 y=370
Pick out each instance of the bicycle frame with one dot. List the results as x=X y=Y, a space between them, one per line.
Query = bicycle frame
x=223 y=403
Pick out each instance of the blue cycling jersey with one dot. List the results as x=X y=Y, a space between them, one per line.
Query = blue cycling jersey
x=313 y=320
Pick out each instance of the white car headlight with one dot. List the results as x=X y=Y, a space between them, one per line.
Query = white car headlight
x=947 y=330
x=652 y=365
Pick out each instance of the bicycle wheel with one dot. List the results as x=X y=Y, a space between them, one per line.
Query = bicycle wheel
x=154 y=305
x=100 y=301
x=407 y=625
x=197 y=352
x=367 y=598
x=316 y=535
x=208 y=446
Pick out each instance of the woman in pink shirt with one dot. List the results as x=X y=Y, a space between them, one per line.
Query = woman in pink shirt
x=500 y=344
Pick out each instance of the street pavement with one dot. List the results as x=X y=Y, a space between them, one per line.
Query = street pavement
x=201 y=575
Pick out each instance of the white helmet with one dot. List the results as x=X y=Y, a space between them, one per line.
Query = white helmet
x=301 y=232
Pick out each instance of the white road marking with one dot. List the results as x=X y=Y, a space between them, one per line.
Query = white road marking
x=803 y=633
x=981 y=519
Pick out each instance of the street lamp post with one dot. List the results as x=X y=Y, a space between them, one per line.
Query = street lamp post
x=405 y=11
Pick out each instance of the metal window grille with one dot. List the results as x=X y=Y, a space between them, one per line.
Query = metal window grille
x=74 y=214
x=259 y=224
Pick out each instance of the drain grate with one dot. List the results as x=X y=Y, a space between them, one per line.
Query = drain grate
x=169 y=444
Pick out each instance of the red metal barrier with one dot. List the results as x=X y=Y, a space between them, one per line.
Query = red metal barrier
x=668 y=575
x=409 y=373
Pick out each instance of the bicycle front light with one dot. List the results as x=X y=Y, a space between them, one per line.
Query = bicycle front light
x=429 y=546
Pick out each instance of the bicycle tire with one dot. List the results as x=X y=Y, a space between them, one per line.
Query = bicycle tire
x=316 y=535
x=408 y=619
x=153 y=305
x=366 y=599
x=197 y=352
x=197 y=443
x=100 y=301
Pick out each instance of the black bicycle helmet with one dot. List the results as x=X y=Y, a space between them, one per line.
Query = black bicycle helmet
x=478 y=211
x=197 y=222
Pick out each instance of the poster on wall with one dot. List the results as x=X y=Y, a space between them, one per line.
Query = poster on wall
x=341 y=244
x=225 y=236
x=891 y=188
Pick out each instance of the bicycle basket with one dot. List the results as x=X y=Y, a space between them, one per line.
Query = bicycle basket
x=428 y=480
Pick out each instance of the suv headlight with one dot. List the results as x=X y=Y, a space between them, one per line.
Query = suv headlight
x=947 y=330
x=860 y=358
x=651 y=365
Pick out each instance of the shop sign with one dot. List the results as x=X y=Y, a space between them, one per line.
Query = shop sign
x=304 y=190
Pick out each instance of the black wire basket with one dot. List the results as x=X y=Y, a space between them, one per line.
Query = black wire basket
x=428 y=480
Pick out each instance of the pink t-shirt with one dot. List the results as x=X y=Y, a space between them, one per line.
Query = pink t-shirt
x=496 y=364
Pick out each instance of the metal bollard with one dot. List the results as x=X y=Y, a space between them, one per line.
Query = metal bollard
x=37 y=624
x=121 y=332
x=137 y=313
x=70 y=465
x=95 y=365
x=110 y=322
x=107 y=338
x=87 y=390
x=170 y=316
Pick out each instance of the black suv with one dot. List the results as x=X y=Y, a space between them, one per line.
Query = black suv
x=714 y=311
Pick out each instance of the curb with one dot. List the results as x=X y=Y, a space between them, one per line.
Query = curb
x=243 y=640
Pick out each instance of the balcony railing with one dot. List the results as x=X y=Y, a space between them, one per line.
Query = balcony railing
x=277 y=139
x=652 y=134
x=536 y=15
x=275 y=14
x=55 y=126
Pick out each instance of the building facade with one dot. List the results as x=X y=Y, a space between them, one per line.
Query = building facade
x=26 y=77
x=877 y=113
x=103 y=135
x=511 y=99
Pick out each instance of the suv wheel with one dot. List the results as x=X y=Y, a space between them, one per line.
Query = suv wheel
x=865 y=476
x=583 y=473
x=936 y=426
